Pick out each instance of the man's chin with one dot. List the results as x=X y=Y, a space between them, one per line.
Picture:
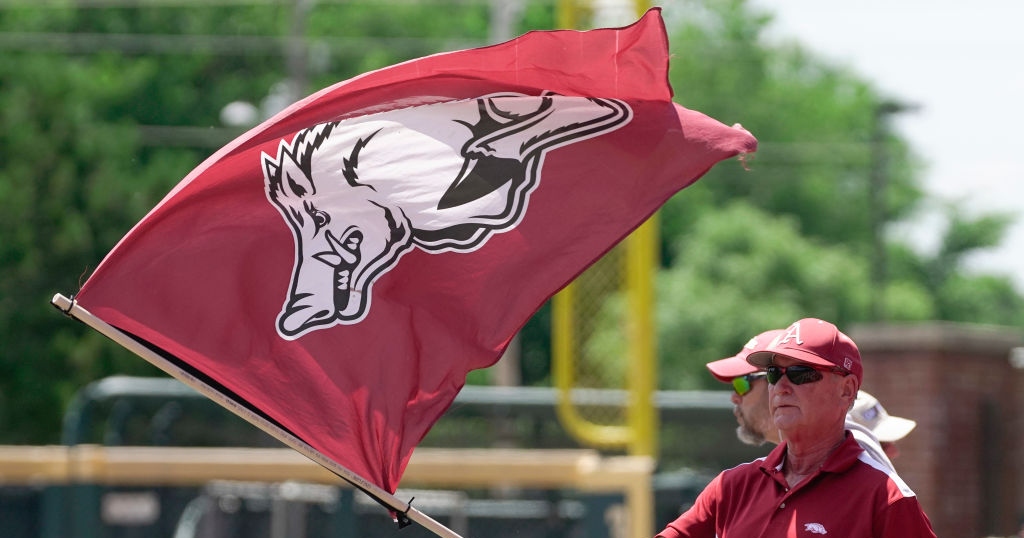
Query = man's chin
x=749 y=437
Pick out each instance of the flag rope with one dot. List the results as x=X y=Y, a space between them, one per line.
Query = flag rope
x=403 y=511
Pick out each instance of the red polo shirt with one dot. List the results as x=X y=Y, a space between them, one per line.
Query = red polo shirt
x=851 y=496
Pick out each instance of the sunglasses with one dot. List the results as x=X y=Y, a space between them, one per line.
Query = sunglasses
x=798 y=374
x=742 y=384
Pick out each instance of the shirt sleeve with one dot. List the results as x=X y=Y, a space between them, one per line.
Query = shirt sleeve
x=699 y=520
x=904 y=518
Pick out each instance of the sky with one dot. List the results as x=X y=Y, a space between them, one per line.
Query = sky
x=960 y=63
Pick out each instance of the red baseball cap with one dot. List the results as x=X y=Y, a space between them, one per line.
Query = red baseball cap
x=726 y=369
x=813 y=341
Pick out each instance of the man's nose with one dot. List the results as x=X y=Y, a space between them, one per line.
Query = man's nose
x=782 y=385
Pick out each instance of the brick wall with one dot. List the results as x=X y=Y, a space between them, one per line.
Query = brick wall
x=965 y=459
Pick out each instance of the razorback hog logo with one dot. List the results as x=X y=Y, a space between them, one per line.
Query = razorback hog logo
x=361 y=192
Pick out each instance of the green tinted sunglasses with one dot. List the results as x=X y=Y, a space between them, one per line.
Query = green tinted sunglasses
x=742 y=384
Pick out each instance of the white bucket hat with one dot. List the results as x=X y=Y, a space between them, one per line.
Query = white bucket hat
x=870 y=414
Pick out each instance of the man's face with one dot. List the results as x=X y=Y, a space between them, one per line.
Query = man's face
x=751 y=410
x=809 y=410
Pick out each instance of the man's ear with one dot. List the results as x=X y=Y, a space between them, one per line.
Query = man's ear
x=849 y=388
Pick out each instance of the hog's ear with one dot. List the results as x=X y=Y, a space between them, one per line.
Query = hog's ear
x=285 y=178
x=271 y=174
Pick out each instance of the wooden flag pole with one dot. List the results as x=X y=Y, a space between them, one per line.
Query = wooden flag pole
x=72 y=309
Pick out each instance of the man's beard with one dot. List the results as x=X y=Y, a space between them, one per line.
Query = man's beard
x=749 y=435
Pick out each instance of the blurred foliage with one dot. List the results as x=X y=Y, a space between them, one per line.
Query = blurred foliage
x=105 y=106
x=741 y=271
x=747 y=251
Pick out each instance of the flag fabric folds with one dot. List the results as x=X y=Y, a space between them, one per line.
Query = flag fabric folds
x=342 y=266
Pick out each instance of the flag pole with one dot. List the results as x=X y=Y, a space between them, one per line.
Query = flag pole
x=74 y=310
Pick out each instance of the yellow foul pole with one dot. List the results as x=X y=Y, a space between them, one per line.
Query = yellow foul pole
x=639 y=435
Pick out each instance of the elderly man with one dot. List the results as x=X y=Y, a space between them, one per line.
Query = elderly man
x=875 y=430
x=816 y=482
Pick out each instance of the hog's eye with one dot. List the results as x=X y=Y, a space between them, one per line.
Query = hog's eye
x=320 y=218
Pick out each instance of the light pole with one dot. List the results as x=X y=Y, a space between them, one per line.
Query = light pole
x=296 y=50
x=878 y=210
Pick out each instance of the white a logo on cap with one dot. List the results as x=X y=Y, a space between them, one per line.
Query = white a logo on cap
x=792 y=333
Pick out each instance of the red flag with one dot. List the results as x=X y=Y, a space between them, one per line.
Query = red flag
x=342 y=266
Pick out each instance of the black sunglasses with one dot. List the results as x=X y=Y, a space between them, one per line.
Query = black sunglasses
x=743 y=384
x=798 y=374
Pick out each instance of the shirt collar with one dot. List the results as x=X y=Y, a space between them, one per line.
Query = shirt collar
x=841 y=459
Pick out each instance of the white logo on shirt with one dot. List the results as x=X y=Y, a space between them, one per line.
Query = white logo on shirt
x=815 y=528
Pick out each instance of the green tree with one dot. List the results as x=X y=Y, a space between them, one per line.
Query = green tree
x=743 y=271
x=958 y=295
x=799 y=243
x=814 y=121
x=68 y=188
